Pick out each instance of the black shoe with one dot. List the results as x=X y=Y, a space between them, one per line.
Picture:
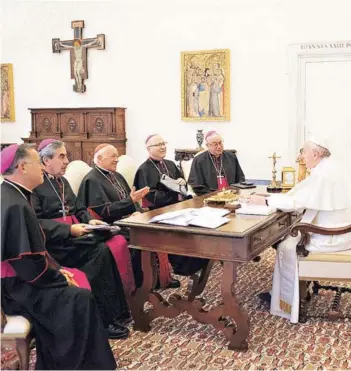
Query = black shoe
x=117 y=331
x=173 y=284
x=123 y=320
x=265 y=297
x=257 y=259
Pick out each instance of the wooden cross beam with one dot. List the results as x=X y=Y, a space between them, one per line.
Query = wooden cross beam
x=78 y=51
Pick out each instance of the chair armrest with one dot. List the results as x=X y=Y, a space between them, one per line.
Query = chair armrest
x=3 y=320
x=305 y=229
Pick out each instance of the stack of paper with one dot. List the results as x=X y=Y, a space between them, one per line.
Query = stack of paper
x=206 y=217
x=251 y=209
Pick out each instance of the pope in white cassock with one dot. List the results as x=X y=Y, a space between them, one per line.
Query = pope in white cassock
x=325 y=199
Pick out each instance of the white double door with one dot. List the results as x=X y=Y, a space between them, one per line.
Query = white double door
x=321 y=82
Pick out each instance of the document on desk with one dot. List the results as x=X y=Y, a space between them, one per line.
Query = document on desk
x=250 y=209
x=206 y=217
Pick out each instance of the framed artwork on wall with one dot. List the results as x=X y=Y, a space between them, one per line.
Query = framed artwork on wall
x=7 y=94
x=205 y=85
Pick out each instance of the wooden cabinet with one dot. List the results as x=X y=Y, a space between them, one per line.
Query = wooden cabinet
x=82 y=129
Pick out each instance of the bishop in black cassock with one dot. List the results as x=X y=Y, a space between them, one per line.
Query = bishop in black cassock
x=214 y=169
x=66 y=320
x=108 y=196
x=148 y=175
x=59 y=214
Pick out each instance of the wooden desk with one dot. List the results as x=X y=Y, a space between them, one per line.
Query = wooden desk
x=235 y=243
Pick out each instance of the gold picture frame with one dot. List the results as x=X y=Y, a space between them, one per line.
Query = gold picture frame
x=7 y=93
x=205 y=85
x=288 y=178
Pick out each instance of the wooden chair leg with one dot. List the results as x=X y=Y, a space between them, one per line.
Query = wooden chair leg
x=334 y=312
x=303 y=289
x=303 y=285
x=22 y=347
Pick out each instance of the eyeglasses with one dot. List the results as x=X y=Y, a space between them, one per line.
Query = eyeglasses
x=216 y=144
x=158 y=145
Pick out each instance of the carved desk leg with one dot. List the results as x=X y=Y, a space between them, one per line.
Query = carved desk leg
x=231 y=309
x=198 y=281
x=146 y=293
x=138 y=299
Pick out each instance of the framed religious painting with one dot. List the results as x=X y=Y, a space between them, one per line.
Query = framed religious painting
x=205 y=85
x=7 y=94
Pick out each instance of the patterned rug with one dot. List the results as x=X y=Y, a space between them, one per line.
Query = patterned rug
x=274 y=344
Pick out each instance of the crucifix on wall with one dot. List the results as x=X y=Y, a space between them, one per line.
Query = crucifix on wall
x=78 y=51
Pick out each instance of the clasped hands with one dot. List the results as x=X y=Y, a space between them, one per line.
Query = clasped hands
x=137 y=196
x=69 y=277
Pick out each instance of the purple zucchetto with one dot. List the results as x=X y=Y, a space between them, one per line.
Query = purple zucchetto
x=7 y=156
x=44 y=143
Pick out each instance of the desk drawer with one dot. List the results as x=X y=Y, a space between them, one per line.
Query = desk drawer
x=269 y=234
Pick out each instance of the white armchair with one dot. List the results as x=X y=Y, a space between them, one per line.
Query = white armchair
x=127 y=167
x=314 y=267
x=75 y=172
x=16 y=332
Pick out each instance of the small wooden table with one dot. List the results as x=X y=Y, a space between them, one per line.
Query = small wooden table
x=234 y=243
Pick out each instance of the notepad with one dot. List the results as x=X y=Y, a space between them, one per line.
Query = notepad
x=206 y=217
x=250 y=209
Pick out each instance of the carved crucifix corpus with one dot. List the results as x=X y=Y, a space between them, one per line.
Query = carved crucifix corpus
x=78 y=51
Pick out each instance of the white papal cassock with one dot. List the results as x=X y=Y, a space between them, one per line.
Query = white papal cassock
x=325 y=196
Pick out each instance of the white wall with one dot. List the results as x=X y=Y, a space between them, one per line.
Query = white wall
x=140 y=68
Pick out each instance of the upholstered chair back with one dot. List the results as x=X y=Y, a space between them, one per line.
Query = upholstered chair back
x=127 y=167
x=75 y=172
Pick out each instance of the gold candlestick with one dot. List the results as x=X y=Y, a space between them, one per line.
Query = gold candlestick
x=274 y=187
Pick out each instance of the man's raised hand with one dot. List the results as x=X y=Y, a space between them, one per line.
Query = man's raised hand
x=181 y=181
x=137 y=196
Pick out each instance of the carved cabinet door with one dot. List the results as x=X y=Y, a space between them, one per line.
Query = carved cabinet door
x=46 y=124
x=99 y=123
x=72 y=124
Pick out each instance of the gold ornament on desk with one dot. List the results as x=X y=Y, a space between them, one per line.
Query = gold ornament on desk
x=274 y=187
x=288 y=178
x=302 y=170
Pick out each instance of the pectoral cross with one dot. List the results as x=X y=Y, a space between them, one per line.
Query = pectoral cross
x=64 y=211
x=274 y=171
x=220 y=178
x=78 y=52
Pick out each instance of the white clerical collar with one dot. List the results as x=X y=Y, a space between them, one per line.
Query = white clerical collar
x=19 y=184
x=50 y=176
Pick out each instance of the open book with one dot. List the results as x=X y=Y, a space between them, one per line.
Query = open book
x=251 y=209
x=206 y=217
